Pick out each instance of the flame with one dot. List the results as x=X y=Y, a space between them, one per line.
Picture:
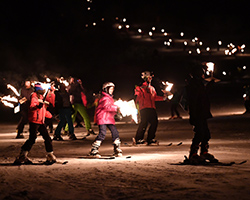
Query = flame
x=210 y=66
x=9 y=86
x=168 y=85
x=65 y=82
x=9 y=98
x=128 y=108
x=8 y=104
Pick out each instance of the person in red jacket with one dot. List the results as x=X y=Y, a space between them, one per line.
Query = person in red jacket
x=105 y=113
x=146 y=97
x=36 y=115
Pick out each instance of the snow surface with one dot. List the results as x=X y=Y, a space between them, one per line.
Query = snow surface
x=148 y=174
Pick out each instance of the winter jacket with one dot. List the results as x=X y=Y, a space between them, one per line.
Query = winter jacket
x=198 y=100
x=106 y=110
x=26 y=92
x=146 y=96
x=77 y=93
x=37 y=111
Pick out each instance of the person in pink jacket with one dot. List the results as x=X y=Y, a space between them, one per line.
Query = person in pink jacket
x=36 y=115
x=105 y=113
x=146 y=97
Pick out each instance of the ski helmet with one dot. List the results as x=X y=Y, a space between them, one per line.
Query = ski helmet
x=106 y=86
x=38 y=87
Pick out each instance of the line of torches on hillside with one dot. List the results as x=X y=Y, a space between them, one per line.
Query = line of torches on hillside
x=126 y=108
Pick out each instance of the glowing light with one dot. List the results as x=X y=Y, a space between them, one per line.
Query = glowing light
x=189 y=52
x=89 y=8
x=139 y=30
x=185 y=43
x=224 y=73
x=181 y=34
x=9 y=86
x=244 y=67
x=220 y=43
x=153 y=28
x=150 y=33
x=208 y=49
x=198 y=50
x=200 y=43
x=94 y=23
x=210 y=66
x=165 y=34
x=243 y=46
x=127 y=108
x=162 y=30
x=120 y=27
x=168 y=85
x=124 y=19
x=127 y=26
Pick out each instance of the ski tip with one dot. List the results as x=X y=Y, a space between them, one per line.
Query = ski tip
x=127 y=157
x=179 y=144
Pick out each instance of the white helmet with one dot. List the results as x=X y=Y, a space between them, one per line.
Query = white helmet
x=146 y=74
x=106 y=86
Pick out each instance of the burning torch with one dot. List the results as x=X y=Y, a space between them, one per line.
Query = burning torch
x=167 y=90
x=128 y=108
x=210 y=71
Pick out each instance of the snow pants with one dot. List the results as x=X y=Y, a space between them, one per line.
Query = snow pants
x=103 y=130
x=83 y=112
x=64 y=115
x=34 y=128
x=148 y=116
x=201 y=135
x=23 y=120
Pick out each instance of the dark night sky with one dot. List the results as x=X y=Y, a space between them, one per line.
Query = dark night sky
x=49 y=37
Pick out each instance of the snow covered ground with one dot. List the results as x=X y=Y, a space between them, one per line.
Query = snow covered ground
x=148 y=174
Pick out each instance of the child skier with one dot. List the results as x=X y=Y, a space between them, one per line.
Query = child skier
x=36 y=116
x=105 y=113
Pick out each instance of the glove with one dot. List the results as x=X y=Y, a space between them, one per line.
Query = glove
x=40 y=105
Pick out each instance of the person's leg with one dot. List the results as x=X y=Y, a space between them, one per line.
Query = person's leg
x=83 y=112
x=153 y=120
x=97 y=143
x=142 y=125
x=116 y=140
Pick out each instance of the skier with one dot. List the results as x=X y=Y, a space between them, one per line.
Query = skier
x=78 y=100
x=199 y=111
x=146 y=97
x=64 y=108
x=36 y=116
x=25 y=93
x=105 y=113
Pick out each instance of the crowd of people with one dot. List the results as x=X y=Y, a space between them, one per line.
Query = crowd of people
x=38 y=110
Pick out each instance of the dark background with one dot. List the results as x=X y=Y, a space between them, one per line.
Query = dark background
x=48 y=37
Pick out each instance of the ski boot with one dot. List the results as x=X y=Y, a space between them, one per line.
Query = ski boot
x=90 y=131
x=205 y=155
x=209 y=157
x=94 y=150
x=22 y=158
x=117 y=150
x=58 y=137
x=19 y=135
x=153 y=142
x=194 y=158
x=72 y=136
x=51 y=158
x=140 y=142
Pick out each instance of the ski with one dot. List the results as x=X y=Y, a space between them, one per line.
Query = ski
x=171 y=144
x=41 y=163
x=104 y=157
x=96 y=157
x=207 y=163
